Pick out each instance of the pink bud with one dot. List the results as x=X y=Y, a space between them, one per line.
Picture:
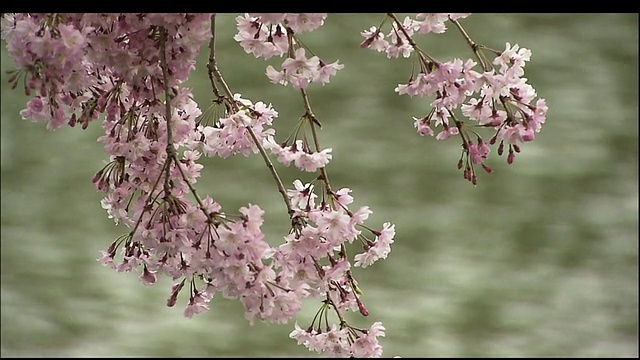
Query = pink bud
x=495 y=122
x=366 y=43
x=362 y=308
x=72 y=120
x=97 y=176
x=35 y=105
x=171 y=301
x=148 y=277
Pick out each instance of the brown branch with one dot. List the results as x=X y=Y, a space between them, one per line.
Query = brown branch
x=214 y=72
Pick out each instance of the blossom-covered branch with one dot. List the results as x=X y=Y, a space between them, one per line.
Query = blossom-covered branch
x=498 y=99
x=128 y=70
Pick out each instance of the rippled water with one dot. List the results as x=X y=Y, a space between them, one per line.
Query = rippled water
x=540 y=259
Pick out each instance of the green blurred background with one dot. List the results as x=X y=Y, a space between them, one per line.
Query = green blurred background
x=540 y=259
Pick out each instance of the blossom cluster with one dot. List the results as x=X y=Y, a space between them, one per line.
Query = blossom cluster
x=267 y=35
x=79 y=65
x=497 y=96
x=121 y=65
x=128 y=70
x=341 y=342
x=398 y=42
x=229 y=135
x=321 y=230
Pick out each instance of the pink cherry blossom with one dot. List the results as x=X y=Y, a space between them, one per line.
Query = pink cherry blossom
x=447 y=133
x=380 y=248
x=302 y=197
x=374 y=39
x=431 y=23
x=304 y=21
x=368 y=345
x=197 y=304
x=115 y=69
x=422 y=126
x=300 y=65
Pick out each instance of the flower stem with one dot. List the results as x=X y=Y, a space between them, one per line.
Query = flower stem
x=474 y=47
x=214 y=73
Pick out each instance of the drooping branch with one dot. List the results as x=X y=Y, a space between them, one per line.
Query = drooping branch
x=214 y=73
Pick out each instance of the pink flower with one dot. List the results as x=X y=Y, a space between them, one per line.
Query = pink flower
x=268 y=18
x=441 y=117
x=336 y=270
x=257 y=37
x=311 y=161
x=365 y=259
x=300 y=65
x=334 y=225
x=210 y=205
x=302 y=336
x=264 y=113
x=478 y=152
x=395 y=50
x=326 y=71
x=521 y=91
x=342 y=196
x=456 y=16
x=277 y=77
x=513 y=57
x=191 y=168
x=476 y=109
x=431 y=23
x=516 y=134
x=107 y=259
x=368 y=345
x=374 y=39
x=35 y=110
x=299 y=81
x=496 y=119
x=148 y=277
x=284 y=154
x=280 y=307
x=380 y=249
x=538 y=117
x=335 y=341
x=494 y=85
x=253 y=218
x=304 y=22
x=447 y=133
x=197 y=304
x=358 y=217
x=302 y=197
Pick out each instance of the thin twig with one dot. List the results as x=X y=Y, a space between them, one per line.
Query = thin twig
x=472 y=44
x=413 y=44
x=171 y=151
x=212 y=58
x=312 y=123
x=214 y=72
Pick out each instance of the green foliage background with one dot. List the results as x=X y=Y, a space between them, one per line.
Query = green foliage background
x=540 y=259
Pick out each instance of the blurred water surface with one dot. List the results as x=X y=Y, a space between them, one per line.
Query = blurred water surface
x=540 y=259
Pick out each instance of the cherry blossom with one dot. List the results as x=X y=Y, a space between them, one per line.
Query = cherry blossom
x=127 y=71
